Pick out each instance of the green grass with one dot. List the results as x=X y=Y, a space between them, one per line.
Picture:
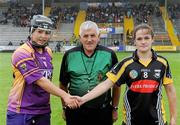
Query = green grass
x=56 y=118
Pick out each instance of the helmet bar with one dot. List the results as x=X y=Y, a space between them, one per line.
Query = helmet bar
x=40 y=21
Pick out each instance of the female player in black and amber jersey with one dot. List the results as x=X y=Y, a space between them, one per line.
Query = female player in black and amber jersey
x=144 y=74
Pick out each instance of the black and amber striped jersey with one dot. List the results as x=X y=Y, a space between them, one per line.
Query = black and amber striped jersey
x=143 y=104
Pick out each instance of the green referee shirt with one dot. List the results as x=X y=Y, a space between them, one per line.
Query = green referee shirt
x=82 y=73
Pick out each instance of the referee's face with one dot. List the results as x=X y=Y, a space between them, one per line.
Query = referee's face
x=143 y=40
x=89 y=40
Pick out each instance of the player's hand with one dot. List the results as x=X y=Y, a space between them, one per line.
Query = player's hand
x=172 y=121
x=80 y=100
x=71 y=101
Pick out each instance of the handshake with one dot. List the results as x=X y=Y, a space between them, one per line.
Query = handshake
x=73 y=101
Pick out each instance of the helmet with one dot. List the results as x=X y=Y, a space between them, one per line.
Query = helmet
x=40 y=22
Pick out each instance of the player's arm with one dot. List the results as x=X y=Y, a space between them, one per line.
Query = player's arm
x=115 y=101
x=48 y=86
x=97 y=91
x=115 y=92
x=65 y=89
x=171 y=94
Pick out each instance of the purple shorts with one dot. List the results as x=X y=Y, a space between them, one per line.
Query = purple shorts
x=14 y=118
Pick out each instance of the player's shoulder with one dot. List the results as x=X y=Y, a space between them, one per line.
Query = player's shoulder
x=24 y=49
x=22 y=53
x=126 y=61
x=162 y=59
x=49 y=50
x=123 y=63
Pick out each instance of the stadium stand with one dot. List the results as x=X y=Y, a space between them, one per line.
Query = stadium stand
x=13 y=34
x=115 y=19
x=170 y=28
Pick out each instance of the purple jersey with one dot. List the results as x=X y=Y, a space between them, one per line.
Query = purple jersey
x=28 y=66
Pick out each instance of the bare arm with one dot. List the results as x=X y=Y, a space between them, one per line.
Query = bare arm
x=65 y=89
x=62 y=101
x=115 y=101
x=48 y=86
x=116 y=95
x=98 y=90
x=171 y=94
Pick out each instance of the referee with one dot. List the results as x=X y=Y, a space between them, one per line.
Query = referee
x=82 y=69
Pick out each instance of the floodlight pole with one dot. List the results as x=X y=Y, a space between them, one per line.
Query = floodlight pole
x=42 y=7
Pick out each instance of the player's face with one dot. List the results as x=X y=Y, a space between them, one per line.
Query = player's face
x=89 y=40
x=143 y=40
x=41 y=36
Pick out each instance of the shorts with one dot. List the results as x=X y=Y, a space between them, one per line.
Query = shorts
x=14 y=118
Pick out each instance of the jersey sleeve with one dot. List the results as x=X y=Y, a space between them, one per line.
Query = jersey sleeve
x=167 y=76
x=27 y=66
x=116 y=74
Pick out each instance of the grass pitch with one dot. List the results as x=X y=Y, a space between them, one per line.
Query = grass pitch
x=56 y=117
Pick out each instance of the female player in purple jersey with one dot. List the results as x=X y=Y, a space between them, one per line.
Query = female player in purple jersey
x=29 y=98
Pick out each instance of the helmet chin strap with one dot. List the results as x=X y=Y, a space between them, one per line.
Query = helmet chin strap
x=34 y=44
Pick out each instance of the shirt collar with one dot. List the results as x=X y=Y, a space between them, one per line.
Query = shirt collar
x=136 y=58
x=82 y=50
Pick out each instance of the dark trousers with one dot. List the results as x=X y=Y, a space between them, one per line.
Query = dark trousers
x=27 y=119
x=89 y=116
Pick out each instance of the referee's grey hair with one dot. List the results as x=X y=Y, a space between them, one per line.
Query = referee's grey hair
x=88 y=25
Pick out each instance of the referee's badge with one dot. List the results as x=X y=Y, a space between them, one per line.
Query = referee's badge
x=133 y=74
x=100 y=76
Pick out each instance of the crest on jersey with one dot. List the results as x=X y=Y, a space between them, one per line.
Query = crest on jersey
x=100 y=76
x=157 y=73
x=23 y=67
x=133 y=74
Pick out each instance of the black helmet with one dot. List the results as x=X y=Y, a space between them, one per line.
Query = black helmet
x=40 y=22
